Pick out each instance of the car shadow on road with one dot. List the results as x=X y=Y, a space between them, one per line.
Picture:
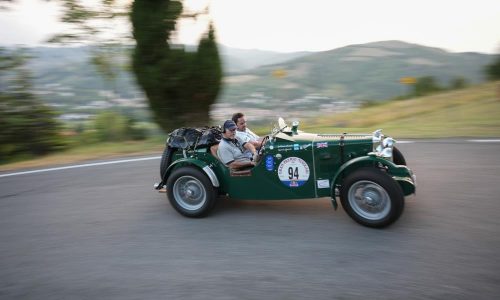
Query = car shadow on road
x=306 y=207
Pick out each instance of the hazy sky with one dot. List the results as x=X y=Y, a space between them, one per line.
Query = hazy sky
x=312 y=25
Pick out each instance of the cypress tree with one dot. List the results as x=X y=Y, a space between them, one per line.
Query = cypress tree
x=180 y=85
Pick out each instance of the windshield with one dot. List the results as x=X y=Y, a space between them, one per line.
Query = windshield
x=281 y=123
x=280 y=126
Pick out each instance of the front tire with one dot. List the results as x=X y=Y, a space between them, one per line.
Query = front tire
x=398 y=157
x=372 y=198
x=191 y=192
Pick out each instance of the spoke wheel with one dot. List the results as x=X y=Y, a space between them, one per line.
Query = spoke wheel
x=190 y=192
x=372 y=197
x=369 y=200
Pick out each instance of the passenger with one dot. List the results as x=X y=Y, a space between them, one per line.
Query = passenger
x=234 y=152
x=244 y=133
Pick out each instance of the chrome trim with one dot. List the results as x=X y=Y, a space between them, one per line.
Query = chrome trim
x=386 y=153
x=388 y=142
x=377 y=136
x=211 y=175
x=382 y=145
x=314 y=167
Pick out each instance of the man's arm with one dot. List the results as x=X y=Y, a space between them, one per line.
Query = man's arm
x=250 y=147
x=257 y=143
x=254 y=139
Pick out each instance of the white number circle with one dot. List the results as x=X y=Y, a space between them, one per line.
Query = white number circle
x=293 y=172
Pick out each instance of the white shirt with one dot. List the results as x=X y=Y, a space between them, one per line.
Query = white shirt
x=246 y=135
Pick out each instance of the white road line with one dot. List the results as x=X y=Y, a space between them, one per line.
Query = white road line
x=484 y=141
x=158 y=157
x=404 y=142
x=80 y=166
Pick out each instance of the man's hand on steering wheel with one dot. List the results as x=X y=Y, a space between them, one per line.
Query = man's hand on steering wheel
x=255 y=157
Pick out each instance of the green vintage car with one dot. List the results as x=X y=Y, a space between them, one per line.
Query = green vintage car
x=365 y=171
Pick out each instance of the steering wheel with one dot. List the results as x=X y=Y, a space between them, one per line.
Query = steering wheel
x=275 y=131
x=260 y=152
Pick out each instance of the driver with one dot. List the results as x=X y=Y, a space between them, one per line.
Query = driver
x=243 y=132
x=234 y=152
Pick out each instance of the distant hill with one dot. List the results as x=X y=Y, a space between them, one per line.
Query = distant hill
x=238 y=60
x=362 y=72
x=261 y=82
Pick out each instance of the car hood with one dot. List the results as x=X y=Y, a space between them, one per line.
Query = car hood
x=323 y=137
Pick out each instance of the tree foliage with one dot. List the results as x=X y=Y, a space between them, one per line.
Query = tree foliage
x=179 y=85
x=95 y=23
x=493 y=70
x=113 y=126
x=458 y=83
x=425 y=85
x=27 y=126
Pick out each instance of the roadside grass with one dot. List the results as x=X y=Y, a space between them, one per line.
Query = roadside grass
x=99 y=151
x=471 y=112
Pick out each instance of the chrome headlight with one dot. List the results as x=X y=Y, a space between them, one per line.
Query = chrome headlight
x=388 y=142
x=382 y=146
x=386 y=153
x=377 y=136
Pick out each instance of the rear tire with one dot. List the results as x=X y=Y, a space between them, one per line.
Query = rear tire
x=372 y=198
x=166 y=160
x=191 y=192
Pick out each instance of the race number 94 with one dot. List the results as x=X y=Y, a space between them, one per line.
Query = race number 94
x=293 y=173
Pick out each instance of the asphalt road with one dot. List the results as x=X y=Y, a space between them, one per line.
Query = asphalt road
x=102 y=232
